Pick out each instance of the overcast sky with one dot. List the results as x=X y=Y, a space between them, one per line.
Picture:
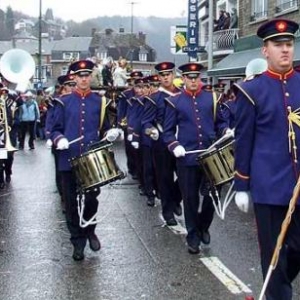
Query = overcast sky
x=78 y=10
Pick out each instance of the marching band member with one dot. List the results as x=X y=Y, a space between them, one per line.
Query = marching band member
x=6 y=164
x=144 y=143
x=67 y=84
x=134 y=113
x=267 y=151
x=123 y=112
x=79 y=114
x=164 y=161
x=193 y=121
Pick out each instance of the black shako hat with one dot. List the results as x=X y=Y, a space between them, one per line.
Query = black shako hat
x=81 y=67
x=153 y=79
x=136 y=74
x=190 y=68
x=278 y=30
x=64 y=79
x=166 y=66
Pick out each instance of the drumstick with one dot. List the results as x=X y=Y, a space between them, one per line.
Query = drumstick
x=76 y=140
x=195 y=151
x=223 y=138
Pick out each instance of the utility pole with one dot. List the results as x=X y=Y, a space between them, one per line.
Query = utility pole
x=132 y=3
x=210 y=33
x=39 y=84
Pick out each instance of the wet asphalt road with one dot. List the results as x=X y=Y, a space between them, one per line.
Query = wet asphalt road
x=140 y=257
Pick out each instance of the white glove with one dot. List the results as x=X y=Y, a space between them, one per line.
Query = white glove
x=135 y=145
x=62 y=144
x=229 y=132
x=242 y=200
x=121 y=135
x=112 y=134
x=49 y=143
x=129 y=137
x=179 y=151
x=154 y=134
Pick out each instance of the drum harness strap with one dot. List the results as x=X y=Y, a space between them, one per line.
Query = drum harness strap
x=215 y=100
x=80 y=199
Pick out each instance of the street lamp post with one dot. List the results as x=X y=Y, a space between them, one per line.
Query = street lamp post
x=40 y=47
x=132 y=3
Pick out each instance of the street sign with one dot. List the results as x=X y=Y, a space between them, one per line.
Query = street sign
x=198 y=49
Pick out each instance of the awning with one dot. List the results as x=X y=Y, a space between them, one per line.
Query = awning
x=234 y=64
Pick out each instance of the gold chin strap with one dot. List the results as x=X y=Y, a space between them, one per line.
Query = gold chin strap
x=293 y=117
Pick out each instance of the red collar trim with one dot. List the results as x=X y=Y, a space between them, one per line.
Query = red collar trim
x=280 y=76
x=82 y=93
x=194 y=94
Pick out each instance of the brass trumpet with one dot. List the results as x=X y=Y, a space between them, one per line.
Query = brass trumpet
x=5 y=127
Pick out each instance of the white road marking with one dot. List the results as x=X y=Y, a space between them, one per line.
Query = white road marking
x=232 y=283
x=216 y=267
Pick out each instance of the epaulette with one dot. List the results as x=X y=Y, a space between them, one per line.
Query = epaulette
x=244 y=92
x=251 y=77
x=150 y=99
x=66 y=94
x=140 y=101
x=168 y=101
x=57 y=100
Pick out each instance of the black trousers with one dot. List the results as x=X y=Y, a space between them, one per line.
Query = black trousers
x=69 y=189
x=129 y=151
x=196 y=220
x=168 y=187
x=58 y=180
x=269 y=219
x=30 y=128
x=148 y=171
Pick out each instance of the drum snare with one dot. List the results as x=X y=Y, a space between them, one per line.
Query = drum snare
x=218 y=163
x=96 y=167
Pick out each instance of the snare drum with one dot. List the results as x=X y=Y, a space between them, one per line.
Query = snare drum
x=218 y=163
x=96 y=167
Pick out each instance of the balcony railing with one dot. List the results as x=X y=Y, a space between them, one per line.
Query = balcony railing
x=287 y=5
x=224 y=39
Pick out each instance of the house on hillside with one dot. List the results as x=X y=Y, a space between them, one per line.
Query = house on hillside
x=67 y=50
x=133 y=47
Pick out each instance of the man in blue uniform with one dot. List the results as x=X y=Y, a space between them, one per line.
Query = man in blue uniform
x=193 y=121
x=80 y=114
x=123 y=112
x=164 y=161
x=67 y=84
x=267 y=143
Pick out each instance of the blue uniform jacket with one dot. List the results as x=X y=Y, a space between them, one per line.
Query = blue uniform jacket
x=76 y=115
x=139 y=133
x=154 y=113
x=265 y=161
x=122 y=104
x=193 y=121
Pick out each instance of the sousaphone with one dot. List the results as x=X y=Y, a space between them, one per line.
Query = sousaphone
x=17 y=66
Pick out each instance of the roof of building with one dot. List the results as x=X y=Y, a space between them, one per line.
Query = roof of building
x=72 y=44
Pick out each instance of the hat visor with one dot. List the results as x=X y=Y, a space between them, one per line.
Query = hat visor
x=83 y=72
x=192 y=74
x=280 y=38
